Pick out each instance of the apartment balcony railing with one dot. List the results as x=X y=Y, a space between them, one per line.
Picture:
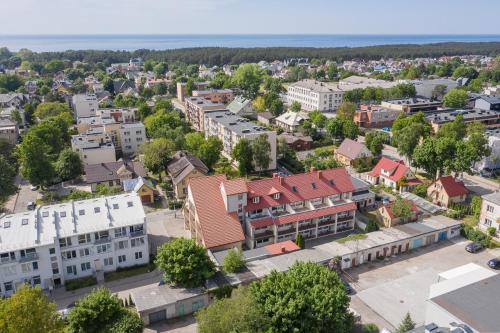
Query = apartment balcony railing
x=342 y=229
x=137 y=233
x=327 y=222
x=265 y=234
x=286 y=231
x=325 y=233
x=29 y=257
x=307 y=227
x=6 y=261
x=345 y=218
x=103 y=240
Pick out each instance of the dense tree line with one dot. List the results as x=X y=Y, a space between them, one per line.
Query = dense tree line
x=219 y=56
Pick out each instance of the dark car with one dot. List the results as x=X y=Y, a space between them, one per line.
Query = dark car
x=348 y=287
x=494 y=263
x=474 y=247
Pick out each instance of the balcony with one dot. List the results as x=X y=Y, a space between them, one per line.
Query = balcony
x=345 y=218
x=344 y=228
x=137 y=233
x=286 y=231
x=327 y=222
x=29 y=257
x=307 y=226
x=265 y=234
x=7 y=261
x=103 y=240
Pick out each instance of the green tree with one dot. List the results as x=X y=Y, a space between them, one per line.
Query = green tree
x=51 y=109
x=190 y=86
x=160 y=69
x=402 y=208
x=455 y=129
x=371 y=226
x=248 y=79
x=374 y=141
x=239 y=313
x=299 y=240
x=243 y=154
x=332 y=71
x=273 y=85
x=439 y=91
x=318 y=118
x=54 y=66
x=7 y=178
x=233 y=261
x=406 y=325
x=210 y=151
x=456 y=98
x=35 y=162
x=29 y=310
x=335 y=128
x=149 y=65
x=349 y=129
x=259 y=104
x=10 y=82
x=346 y=111
x=156 y=154
x=295 y=106
x=184 y=263
x=307 y=298
x=274 y=103
x=475 y=205
x=69 y=165
x=194 y=141
x=260 y=152
x=101 y=312
x=370 y=328
x=421 y=190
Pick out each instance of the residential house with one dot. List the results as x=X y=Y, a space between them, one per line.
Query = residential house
x=362 y=196
x=266 y=118
x=391 y=219
x=94 y=147
x=124 y=87
x=57 y=243
x=181 y=89
x=297 y=142
x=142 y=187
x=196 y=107
x=132 y=136
x=84 y=105
x=112 y=174
x=315 y=95
x=230 y=129
x=219 y=96
x=447 y=190
x=181 y=168
x=242 y=107
x=16 y=100
x=350 y=152
x=290 y=121
x=490 y=213
x=388 y=173
x=9 y=130
x=268 y=211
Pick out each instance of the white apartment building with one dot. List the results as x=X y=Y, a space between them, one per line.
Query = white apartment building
x=490 y=213
x=85 y=105
x=230 y=129
x=94 y=146
x=314 y=95
x=56 y=243
x=132 y=136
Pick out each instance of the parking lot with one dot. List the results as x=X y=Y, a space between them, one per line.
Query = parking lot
x=387 y=290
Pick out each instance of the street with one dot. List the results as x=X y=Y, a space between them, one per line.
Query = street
x=17 y=203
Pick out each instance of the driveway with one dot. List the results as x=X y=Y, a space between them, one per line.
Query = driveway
x=387 y=290
x=18 y=202
x=163 y=225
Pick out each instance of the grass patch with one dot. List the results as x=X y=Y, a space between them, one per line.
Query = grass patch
x=470 y=220
x=352 y=237
x=125 y=272
x=87 y=281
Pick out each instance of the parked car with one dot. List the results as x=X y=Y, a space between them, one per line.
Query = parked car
x=34 y=187
x=348 y=287
x=494 y=263
x=474 y=247
x=31 y=205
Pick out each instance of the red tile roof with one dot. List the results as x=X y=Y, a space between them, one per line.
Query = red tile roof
x=452 y=187
x=388 y=208
x=298 y=187
x=235 y=186
x=217 y=226
x=282 y=247
x=397 y=169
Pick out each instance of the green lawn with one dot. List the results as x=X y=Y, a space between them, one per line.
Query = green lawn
x=128 y=272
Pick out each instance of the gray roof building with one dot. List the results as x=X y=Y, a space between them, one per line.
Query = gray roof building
x=182 y=163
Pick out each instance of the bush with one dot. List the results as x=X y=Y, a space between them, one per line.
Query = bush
x=491 y=231
x=222 y=292
x=370 y=328
x=80 y=283
x=475 y=235
x=371 y=226
x=421 y=190
x=175 y=204
x=299 y=240
x=233 y=261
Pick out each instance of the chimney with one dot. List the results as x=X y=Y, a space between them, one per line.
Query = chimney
x=313 y=169
x=275 y=175
x=283 y=250
x=280 y=180
x=319 y=174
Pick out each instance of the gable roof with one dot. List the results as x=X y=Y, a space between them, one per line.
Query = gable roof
x=238 y=104
x=96 y=173
x=352 y=149
x=135 y=184
x=452 y=187
x=291 y=118
x=397 y=169
x=218 y=228
x=181 y=165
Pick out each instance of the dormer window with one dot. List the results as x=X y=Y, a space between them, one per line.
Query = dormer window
x=256 y=200
x=276 y=196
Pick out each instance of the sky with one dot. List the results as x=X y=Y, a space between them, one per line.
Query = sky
x=249 y=16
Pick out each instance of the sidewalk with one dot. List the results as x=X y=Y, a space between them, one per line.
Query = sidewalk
x=122 y=287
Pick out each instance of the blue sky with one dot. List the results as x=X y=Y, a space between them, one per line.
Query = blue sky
x=249 y=16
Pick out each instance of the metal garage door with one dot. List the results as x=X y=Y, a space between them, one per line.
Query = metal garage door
x=157 y=316
x=417 y=243
x=442 y=235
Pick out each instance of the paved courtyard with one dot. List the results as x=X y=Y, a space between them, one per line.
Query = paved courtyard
x=386 y=290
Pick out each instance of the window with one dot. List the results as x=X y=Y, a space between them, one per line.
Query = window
x=276 y=196
x=101 y=235
x=255 y=200
x=85 y=266
x=103 y=248
x=71 y=269
x=69 y=254
x=240 y=197
x=98 y=209
x=35 y=265
x=55 y=268
x=52 y=250
x=121 y=245
x=82 y=239
x=84 y=252
x=63 y=242
x=26 y=268
x=7 y=286
x=313 y=185
x=120 y=232
x=490 y=209
x=108 y=261
x=81 y=212
x=36 y=280
x=9 y=270
x=122 y=258
x=138 y=255
x=487 y=222
x=137 y=242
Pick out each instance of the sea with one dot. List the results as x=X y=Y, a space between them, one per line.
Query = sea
x=42 y=43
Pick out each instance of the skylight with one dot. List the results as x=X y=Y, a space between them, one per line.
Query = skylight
x=6 y=224
x=24 y=221
x=97 y=210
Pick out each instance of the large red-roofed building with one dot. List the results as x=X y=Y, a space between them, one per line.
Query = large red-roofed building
x=222 y=213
